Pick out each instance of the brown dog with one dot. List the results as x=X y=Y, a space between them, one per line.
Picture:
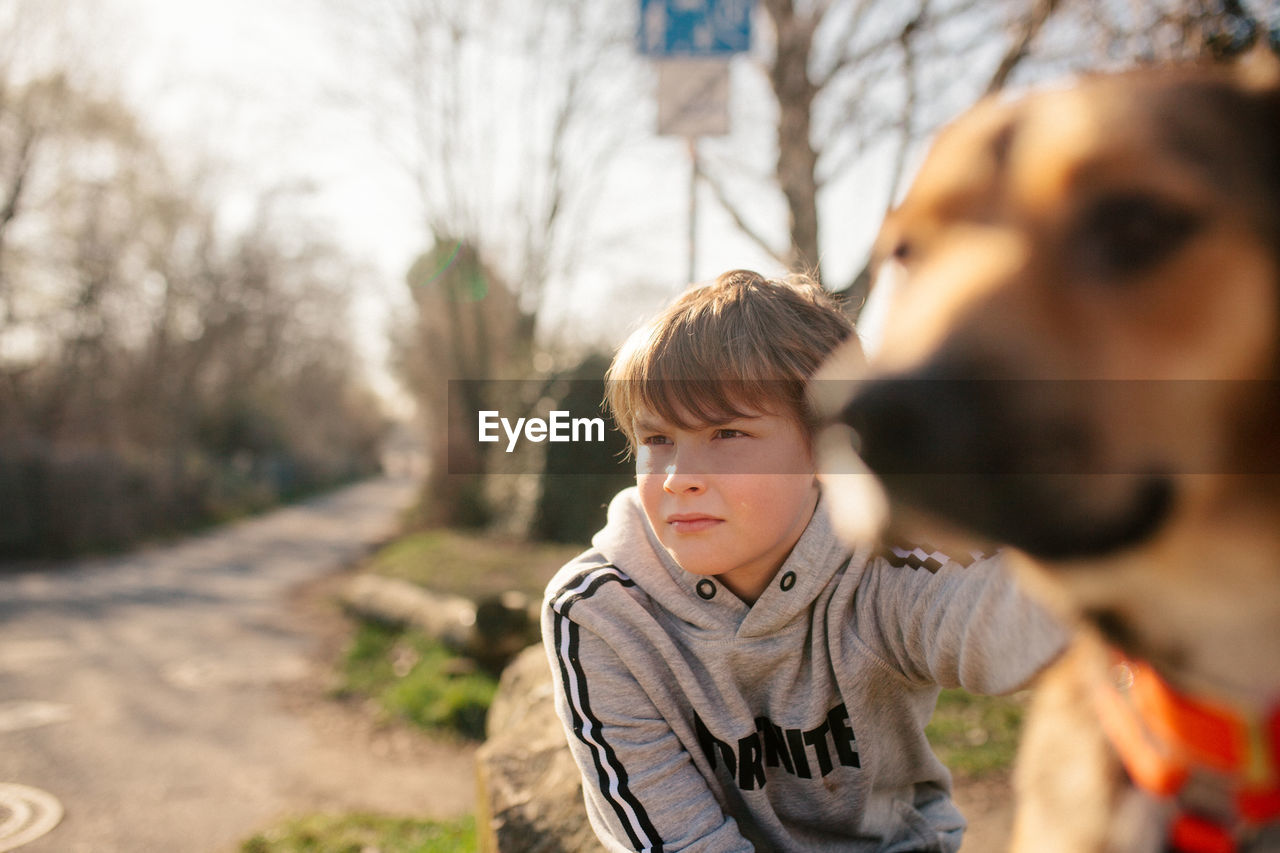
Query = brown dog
x=1080 y=359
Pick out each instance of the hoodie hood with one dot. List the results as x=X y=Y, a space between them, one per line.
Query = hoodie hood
x=703 y=602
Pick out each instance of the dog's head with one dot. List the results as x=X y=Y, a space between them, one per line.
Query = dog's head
x=1080 y=350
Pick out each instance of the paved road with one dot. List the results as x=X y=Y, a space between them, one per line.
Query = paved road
x=150 y=693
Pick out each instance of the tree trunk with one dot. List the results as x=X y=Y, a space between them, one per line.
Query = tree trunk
x=797 y=159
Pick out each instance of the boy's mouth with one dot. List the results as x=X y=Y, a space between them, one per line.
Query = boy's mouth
x=692 y=522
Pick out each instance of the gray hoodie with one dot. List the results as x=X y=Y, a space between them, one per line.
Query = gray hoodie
x=703 y=724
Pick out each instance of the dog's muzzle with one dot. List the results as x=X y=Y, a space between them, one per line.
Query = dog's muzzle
x=1004 y=459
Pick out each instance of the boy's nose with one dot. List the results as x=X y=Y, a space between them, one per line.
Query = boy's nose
x=681 y=480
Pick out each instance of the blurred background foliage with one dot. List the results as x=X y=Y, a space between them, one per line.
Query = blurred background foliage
x=159 y=370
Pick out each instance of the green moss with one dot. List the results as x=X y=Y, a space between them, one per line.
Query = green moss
x=416 y=679
x=471 y=565
x=360 y=833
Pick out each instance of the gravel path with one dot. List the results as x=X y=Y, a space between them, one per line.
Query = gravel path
x=175 y=699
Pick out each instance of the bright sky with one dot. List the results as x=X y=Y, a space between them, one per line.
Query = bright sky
x=249 y=81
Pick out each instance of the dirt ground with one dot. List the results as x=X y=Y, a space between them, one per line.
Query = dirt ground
x=988 y=805
x=383 y=765
x=176 y=699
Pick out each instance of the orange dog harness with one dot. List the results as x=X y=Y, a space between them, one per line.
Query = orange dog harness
x=1218 y=765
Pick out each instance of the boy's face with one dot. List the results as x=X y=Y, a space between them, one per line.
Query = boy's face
x=728 y=499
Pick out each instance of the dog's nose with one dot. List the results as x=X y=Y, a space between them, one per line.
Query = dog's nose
x=921 y=425
x=975 y=452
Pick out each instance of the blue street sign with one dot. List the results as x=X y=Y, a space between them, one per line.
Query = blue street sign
x=694 y=27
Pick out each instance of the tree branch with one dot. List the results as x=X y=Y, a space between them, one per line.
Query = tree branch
x=1021 y=46
x=881 y=45
x=722 y=196
x=909 y=104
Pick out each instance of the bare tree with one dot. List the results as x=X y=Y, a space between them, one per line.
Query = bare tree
x=157 y=368
x=849 y=75
x=505 y=116
x=1111 y=34
x=467 y=325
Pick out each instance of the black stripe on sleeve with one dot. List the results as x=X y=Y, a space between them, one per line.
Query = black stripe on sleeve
x=611 y=775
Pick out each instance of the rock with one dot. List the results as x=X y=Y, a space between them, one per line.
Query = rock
x=450 y=619
x=504 y=626
x=530 y=792
x=492 y=632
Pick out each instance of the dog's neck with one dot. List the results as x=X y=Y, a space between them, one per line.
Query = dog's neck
x=1202 y=605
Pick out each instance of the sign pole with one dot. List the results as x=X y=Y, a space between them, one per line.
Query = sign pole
x=693 y=41
x=693 y=210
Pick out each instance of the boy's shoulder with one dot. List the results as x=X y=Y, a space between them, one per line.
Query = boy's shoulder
x=596 y=592
x=582 y=578
x=609 y=564
x=923 y=555
x=906 y=573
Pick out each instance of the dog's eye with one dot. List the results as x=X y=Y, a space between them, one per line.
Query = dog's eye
x=1129 y=233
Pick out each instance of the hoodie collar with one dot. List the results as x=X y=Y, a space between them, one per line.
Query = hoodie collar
x=630 y=543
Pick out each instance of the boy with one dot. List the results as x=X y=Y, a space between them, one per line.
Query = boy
x=731 y=676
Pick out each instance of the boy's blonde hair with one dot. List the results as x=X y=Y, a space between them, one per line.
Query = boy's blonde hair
x=742 y=345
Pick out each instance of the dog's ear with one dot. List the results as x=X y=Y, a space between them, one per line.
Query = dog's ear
x=1257 y=74
x=1259 y=69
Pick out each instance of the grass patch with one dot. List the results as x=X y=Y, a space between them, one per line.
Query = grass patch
x=471 y=565
x=411 y=676
x=976 y=735
x=362 y=833
x=416 y=679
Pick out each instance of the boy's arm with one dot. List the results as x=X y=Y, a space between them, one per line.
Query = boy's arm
x=642 y=789
x=957 y=625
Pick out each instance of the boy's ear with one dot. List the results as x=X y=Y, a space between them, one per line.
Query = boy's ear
x=856 y=502
x=858 y=505
x=831 y=386
x=1258 y=69
x=1257 y=72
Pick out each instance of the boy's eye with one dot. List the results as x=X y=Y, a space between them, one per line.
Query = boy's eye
x=729 y=433
x=651 y=440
